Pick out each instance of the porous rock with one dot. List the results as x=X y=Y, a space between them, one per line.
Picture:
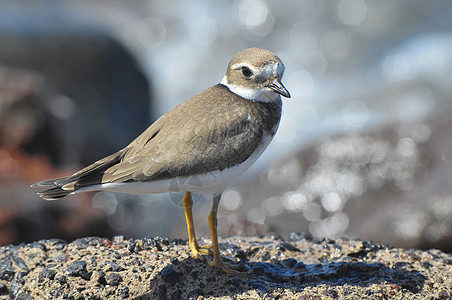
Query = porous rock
x=277 y=268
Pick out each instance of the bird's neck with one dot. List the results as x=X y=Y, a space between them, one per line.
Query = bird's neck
x=261 y=94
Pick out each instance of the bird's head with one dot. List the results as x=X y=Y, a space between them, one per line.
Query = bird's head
x=255 y=74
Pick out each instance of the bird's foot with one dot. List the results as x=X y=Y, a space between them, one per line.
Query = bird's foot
x=226 y=267
x=197 y=250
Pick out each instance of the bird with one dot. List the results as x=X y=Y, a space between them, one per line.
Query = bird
x=200 y=146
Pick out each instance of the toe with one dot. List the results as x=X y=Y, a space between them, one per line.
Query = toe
x=206 y=250
x=227 y=267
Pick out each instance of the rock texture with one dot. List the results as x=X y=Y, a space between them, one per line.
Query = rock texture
x=296 y=267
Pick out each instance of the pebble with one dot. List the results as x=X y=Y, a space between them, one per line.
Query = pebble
x=61 y=258
x=114 y=279
x=20 y=277
x=124 y=292
x=77 y=269
x=57 y=243
x=101 y=279
x=116 y=254
x=288 y=246
x=46 y=274
x=300 y=237
x=86 y=242
x=24 y=296
x=299 y=266
x=151 y=242
x=20 y=263
x=56 y=293
x=3 y=288
x=132 y=247
x=7 y=270
x=14 y=289
x=62 y=279
x=169 y=275
x=114 y=267
x=290 y=262
x=38 y=245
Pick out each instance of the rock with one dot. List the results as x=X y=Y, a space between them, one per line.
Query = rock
x=77 y=269
x=20 y=263
x=124 y=292
x=169 y=275
x=24 y=296
x=59 y=92
x=62 y=279
x=328 y=268
x=194 y=294
x=290 y=262
x=86 y=242
x=34 y=139
x=14 y=289
x=114 y=267
x=288 y=246
x=7 y=270
x=106 y=87
x=47 y=274
x=114 y=279
x=3 y=289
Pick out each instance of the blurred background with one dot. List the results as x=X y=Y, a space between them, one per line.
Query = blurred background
x=364 y=147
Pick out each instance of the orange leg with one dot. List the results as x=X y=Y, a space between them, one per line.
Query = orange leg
x=217 y=259
x=195 y=248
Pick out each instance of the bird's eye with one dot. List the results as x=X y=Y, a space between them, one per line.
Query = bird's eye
x=246 y=72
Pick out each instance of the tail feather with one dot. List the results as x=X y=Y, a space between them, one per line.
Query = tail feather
x=87 y=177
x=54 y=193
x=49 y=183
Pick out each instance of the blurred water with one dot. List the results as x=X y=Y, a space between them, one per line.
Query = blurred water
x=350 y=65
x=341 y=56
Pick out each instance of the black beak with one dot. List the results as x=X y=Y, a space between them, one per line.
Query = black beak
x=279 y=88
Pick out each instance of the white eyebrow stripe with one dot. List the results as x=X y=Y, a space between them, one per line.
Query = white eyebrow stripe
x=275 y=68
x=240 y=65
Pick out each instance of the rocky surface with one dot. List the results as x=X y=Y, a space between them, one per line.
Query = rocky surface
x=296 y=267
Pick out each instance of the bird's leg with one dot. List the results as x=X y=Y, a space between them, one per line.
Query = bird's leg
x=195 y=248
x=217 y=259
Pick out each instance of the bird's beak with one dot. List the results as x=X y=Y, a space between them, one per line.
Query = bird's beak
x=279 y=88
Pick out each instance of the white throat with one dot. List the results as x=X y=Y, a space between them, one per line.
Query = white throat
x=262 y=94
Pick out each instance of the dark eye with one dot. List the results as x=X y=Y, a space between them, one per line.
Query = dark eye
x=246 y=72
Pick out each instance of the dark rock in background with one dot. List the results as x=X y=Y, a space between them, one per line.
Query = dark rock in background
x=34 y=119
x=110 y=94
x=66 y=100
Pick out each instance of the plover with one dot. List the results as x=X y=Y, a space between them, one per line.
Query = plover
x=200 y=146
